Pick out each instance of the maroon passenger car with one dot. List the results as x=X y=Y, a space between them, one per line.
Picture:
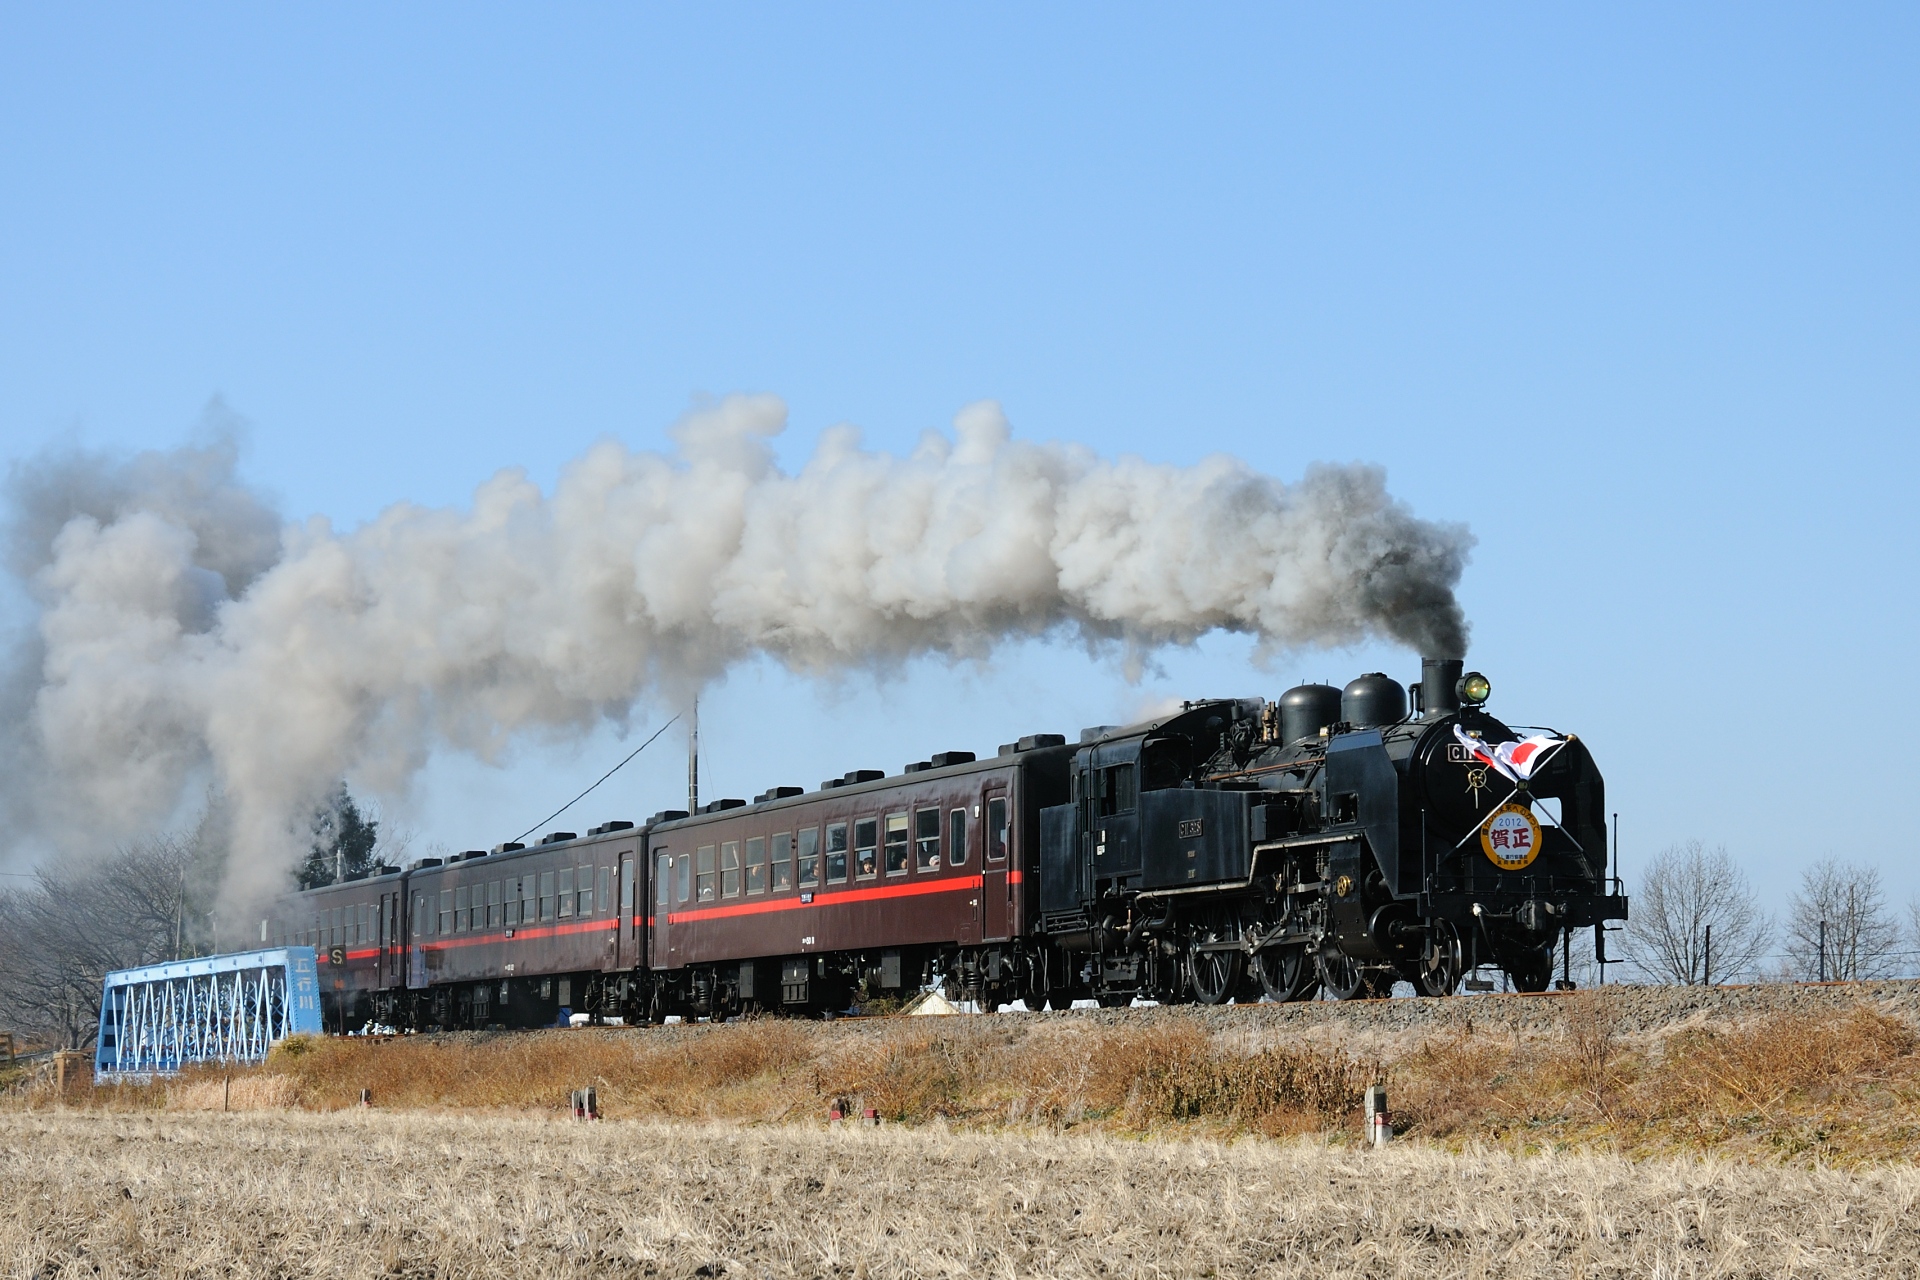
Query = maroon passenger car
x=795 y=901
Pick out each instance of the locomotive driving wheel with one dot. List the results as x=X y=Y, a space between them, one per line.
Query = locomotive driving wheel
x=1438 y=971
x=1287 y=973
x=1214 y=974
x=1345 y=979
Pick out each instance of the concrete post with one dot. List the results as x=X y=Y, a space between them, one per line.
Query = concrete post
x=1379 y=1124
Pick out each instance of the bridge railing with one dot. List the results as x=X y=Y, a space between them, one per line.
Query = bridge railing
x=230 y=1008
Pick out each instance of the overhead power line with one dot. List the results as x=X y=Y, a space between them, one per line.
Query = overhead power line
x=603 y=777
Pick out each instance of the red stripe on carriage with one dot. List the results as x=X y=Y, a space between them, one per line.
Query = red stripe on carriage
x=911 y=889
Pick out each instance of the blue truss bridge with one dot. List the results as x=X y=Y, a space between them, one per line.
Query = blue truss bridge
x=215 y=1009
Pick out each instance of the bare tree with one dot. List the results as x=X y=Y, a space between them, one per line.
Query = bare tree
x=61 y=937
x=1695 y=917
x=1840 y=928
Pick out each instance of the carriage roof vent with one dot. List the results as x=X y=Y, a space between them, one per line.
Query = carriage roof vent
x=945 y=758
x=778 y=793
x=607 y=828
x=558 y=837
x=667 y=815
x=830 y=783
x=918 y=766
x=854 y=777
x=384 y=870
x=1033 y=742
x=1096 y=732
x=421 y=864
x=511 y=846
x=470 y=853
x=721 y=806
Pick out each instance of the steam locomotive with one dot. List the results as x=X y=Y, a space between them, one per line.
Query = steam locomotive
x=1337 y=841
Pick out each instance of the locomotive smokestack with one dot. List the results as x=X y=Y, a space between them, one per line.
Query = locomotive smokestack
x=1440 y=685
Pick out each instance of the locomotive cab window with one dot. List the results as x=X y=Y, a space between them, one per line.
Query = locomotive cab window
x=1117 y=794
x=566 y=893
x=997 y=829
x=957 y=838
x=836 y=853
x=782 y=860
x=897 y=855
x=1346 y=807
x=1163 y=763
x=866 y=848
x=808 y=854
x=730 y=869
x=926 y=839
x=703 y=875
x=756 y=864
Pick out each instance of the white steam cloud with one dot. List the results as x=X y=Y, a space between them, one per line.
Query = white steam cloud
x=185 y=637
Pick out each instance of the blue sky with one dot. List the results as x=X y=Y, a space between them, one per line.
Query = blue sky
x=1630 y=290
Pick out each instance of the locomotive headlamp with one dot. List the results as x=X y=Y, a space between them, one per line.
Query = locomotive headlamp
x=1474 y=688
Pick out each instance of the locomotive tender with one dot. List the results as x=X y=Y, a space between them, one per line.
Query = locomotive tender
x=1337 y=841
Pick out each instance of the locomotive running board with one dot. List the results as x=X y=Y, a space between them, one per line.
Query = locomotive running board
x=1294 y=845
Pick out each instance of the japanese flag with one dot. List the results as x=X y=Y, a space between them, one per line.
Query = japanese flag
x=1514 y=761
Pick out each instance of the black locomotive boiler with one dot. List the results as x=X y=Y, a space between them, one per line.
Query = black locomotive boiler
x=1335 y=841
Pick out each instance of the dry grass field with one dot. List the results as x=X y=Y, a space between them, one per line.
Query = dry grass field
x=352 y=1193
x=1672 y=1133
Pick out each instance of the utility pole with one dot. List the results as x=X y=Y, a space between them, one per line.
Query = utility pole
x=1823 y=951
x=1706 y=963
x=693 y=758
x=179 y=913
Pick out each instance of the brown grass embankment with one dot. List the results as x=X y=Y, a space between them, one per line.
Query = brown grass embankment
x=1838 y=1081
x=367 y=1194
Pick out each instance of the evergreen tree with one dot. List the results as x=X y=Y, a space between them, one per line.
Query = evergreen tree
x=343 y=840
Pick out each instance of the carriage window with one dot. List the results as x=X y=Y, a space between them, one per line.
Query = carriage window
x=682 y=878
x=996 y=830
x=957 y=838
x=606 y=888
x=703 y=876
x=730 y=869
x=897 y=844
x=586 y=891
x=339 y=935
x=462 y=910
x=626 y=884
x=446 y=911
x=809 y=856
x=757 y=864
x=866 y=848
x=546 y=895
x=926 y=839
x=566 y=892
x=836 y=853
x=782 y=861
x=529 y=905
x=662 y=874
x=493 y=903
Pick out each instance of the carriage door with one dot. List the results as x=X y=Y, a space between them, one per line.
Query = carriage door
x=996 y=887
x=659 y=934
x=388 y=925
x=626 y=927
